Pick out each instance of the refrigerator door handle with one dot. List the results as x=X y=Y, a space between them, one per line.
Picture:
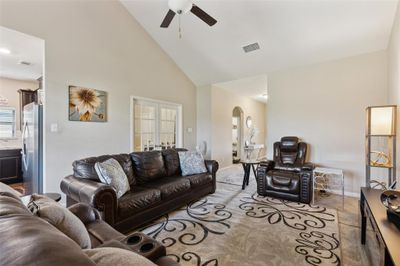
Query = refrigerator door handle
x=23 y=151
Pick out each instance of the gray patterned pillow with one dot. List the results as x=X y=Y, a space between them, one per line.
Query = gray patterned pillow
x=111 y=173
x=192 y=162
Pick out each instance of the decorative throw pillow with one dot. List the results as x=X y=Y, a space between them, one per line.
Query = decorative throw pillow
x=192 y=162
x=111 y=173
x=61 y=218
x=116 y=257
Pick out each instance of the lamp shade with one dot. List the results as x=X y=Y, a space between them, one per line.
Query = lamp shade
x=382 y=120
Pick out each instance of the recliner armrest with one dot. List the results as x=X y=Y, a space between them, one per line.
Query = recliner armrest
x=85 y=212
x=269 y=165
x=307 y=167
x=98 y=195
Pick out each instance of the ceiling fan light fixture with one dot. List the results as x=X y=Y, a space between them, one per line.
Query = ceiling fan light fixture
x=180 y=6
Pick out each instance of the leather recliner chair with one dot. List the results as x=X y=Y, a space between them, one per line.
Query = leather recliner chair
x=287 y=176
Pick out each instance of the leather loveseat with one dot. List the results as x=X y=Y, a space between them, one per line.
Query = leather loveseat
x=287 y=176
x=26 y=239
x=157 y=187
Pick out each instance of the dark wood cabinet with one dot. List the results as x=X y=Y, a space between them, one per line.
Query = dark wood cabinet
x=10 y=166
x=380 y=237
x=26 y=97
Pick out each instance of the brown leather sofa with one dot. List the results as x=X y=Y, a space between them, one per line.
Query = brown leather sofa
x=26 y=239
x=157 y=187
x=287 y=176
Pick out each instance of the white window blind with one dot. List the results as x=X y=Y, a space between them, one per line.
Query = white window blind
x=7 y=122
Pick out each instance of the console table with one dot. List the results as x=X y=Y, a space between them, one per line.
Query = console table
x=380 y=237
x=328 y=179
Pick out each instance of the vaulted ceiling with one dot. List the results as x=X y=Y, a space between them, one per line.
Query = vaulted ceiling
x=290 y=33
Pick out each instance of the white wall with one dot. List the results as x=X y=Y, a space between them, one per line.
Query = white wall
x=394 y=77
x=324 y=105
x=9 y=89
x=223 y=103
x=96 y=44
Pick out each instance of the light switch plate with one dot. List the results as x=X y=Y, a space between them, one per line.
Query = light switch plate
x=189 y=129
x=54 y=127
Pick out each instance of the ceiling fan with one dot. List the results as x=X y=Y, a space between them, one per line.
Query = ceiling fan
x=182 y=7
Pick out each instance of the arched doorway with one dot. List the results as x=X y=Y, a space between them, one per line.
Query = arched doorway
x=237 y=133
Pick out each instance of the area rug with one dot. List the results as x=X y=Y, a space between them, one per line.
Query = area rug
x=238 y=227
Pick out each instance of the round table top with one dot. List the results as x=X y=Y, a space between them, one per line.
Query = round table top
x=250 y=162
x=53 y=196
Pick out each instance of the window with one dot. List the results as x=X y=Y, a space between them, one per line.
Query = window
x=156 y=125
x=7 y=122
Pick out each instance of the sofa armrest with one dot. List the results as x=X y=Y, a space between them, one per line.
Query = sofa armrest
x=307 y=167
x=212 y=166
x=85 y=212
x=98 y=195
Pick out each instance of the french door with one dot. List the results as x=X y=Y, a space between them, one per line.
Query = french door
x=156 y=125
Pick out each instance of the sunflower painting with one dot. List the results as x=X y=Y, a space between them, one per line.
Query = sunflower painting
x=87 y=104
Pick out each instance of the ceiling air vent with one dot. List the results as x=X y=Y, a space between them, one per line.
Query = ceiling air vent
x=25 y=63
x=251 y=47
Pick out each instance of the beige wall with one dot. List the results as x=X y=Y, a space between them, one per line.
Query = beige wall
x=223 y=102
x=96 y=44
x=324 y=105
x=9 y=89
x=204 y=116
x=394 y=77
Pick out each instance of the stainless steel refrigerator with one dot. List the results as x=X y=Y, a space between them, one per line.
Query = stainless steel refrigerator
x=32 y=148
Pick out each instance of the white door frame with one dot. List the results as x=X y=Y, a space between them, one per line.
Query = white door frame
x=179 y=131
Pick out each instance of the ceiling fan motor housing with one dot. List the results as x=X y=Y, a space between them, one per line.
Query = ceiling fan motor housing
x=180 y=6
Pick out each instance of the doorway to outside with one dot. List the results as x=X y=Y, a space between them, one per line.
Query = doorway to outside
x=237 y=134
x=21 y=111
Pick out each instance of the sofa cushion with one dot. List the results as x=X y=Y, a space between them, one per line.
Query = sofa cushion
x=61 y=218
x=84 y=168
x=192 y=162
x=116 y=257
x=6 y=188
x=171 y=161
x=148 y=165
x=136 y=200
x=111 y=173
x=282 y=181
x=11 y=204
x=170 y=186
x=199 y=180
x=27 y=239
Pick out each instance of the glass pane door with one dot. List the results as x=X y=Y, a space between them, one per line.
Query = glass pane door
x=145 y=120
x=168 y=126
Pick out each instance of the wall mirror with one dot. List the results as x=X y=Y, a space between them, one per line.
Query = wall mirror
x=249 y=122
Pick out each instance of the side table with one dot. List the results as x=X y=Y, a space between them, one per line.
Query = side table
x=246 y=168
x=54 y=196
x=328 y=179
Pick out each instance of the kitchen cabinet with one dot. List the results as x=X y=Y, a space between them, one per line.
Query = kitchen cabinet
x=10 y=166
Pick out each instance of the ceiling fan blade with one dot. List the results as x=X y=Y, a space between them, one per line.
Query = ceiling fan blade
x=168 y=18
x=203 y=15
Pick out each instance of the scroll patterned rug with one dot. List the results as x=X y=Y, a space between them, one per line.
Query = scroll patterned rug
x=235 y=227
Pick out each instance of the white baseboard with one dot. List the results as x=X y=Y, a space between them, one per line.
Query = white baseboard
x=346 y=193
